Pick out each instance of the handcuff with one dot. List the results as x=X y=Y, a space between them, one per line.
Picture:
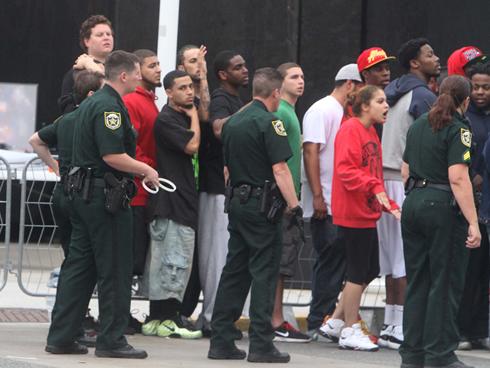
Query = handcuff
x=170 y=188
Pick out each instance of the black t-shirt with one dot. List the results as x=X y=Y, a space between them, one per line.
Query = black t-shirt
x=172 y=134
x=211 y=179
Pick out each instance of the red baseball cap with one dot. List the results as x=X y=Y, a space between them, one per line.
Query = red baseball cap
x=461 y=57
x=370 y=57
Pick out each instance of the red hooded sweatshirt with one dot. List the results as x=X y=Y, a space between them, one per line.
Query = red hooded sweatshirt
x=357 y=177
x=143 y=113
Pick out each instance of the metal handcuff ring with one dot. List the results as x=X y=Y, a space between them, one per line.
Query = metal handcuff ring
x=170 y=188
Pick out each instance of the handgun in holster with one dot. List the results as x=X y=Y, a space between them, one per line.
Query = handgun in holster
x=228 y=196
x=410 y=184
x=118 y=193
x=87 y=185
x=273 y=203
x=74 y=181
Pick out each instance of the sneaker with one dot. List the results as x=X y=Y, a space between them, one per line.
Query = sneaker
x=396 y=338
x=331 y=328
x=353 y=338
x=365 y=331
x=89 y=324
x=150 y=328
x=287 y=333
x=186 y=323
x=134 y=326
x=384 y=335
x=465 y=345
x=170 y=328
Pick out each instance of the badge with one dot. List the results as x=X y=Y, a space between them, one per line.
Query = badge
x=466 y=137
x=279 y=128
x=466 y=156
x=112 y=120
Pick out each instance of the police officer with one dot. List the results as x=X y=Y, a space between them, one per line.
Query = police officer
x=101 y=242
x=256 y=148
x=439 y=224
x=60 y=135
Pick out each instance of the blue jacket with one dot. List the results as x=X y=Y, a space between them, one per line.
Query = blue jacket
x=480 y=126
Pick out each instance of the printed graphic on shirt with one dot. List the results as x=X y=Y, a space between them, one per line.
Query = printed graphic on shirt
x=466 y=137
x=112 y=120
x=279 y=128
x=371 y=159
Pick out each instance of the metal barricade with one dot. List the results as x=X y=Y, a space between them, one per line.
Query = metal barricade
x=39 y=251
x=5 y=221
x=297 y=290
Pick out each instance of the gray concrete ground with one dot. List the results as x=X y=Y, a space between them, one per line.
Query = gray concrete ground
x=22 y=344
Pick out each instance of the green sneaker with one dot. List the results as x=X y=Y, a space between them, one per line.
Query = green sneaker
x=150 y=328
x=169 y=328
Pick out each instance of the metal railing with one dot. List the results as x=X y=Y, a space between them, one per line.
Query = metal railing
x=38 y=252
x=5 y=218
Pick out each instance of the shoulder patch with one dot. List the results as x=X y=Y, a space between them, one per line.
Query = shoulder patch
x=279 y=128
x=466 y=137
x=112 y=120
x=466 y=155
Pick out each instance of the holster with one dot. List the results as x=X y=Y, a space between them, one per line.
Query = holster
x=228 y=196
x=74 y=181
x=118 y=193
x=409 y=184
x=272 y=203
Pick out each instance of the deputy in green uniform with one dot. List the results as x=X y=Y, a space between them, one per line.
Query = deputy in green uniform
x=256 y=148
x=101 y=242
x=439 y=224
x=60 y=135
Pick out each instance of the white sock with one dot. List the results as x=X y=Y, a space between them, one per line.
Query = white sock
x=389 y=314
x=398 y=315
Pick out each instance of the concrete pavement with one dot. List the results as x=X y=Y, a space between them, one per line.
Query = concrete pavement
x=22 y=346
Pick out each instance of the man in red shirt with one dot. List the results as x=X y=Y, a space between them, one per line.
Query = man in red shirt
x=143 y=113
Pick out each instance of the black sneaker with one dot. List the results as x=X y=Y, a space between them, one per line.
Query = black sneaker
x=184 y=322
x=227 y=354
x=134 y=326
x=273 y=356
x=287 y=333
x=125 y=352
x=89 y=324
x=74 y=348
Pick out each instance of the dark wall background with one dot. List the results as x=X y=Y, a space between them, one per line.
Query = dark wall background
x=39 y=38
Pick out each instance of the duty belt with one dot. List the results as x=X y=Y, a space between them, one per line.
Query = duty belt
x=247 y=190
x=424 y=183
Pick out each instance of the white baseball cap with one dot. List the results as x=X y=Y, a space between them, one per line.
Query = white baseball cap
x=348 y=72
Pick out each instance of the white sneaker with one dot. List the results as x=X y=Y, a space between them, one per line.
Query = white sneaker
x=384 y=335
x=352 y=338
x=331 y=329
x=396 y=338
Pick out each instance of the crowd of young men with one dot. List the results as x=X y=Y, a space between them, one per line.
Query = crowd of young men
x=176 y=234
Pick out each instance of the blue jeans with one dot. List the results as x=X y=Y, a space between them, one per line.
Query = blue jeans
x=328 y=270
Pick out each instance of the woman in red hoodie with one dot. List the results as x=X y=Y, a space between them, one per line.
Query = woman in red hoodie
x=358 y=197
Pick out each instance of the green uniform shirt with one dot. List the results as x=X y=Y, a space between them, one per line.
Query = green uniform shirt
x=287 y=115
x=253 y=141
x=60 y=135
x=429 y=154
x=103 y=128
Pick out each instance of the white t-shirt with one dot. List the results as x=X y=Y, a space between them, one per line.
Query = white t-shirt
x=320 y=125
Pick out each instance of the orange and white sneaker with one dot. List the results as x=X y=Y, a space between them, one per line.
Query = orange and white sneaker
x=331 y=328
x=365 y=331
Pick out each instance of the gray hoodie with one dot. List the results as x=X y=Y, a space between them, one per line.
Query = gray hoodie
x=408 y=97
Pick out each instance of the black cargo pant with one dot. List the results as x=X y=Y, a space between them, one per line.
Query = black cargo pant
x=254 y=254
x=101 y=251
x=434 y=235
